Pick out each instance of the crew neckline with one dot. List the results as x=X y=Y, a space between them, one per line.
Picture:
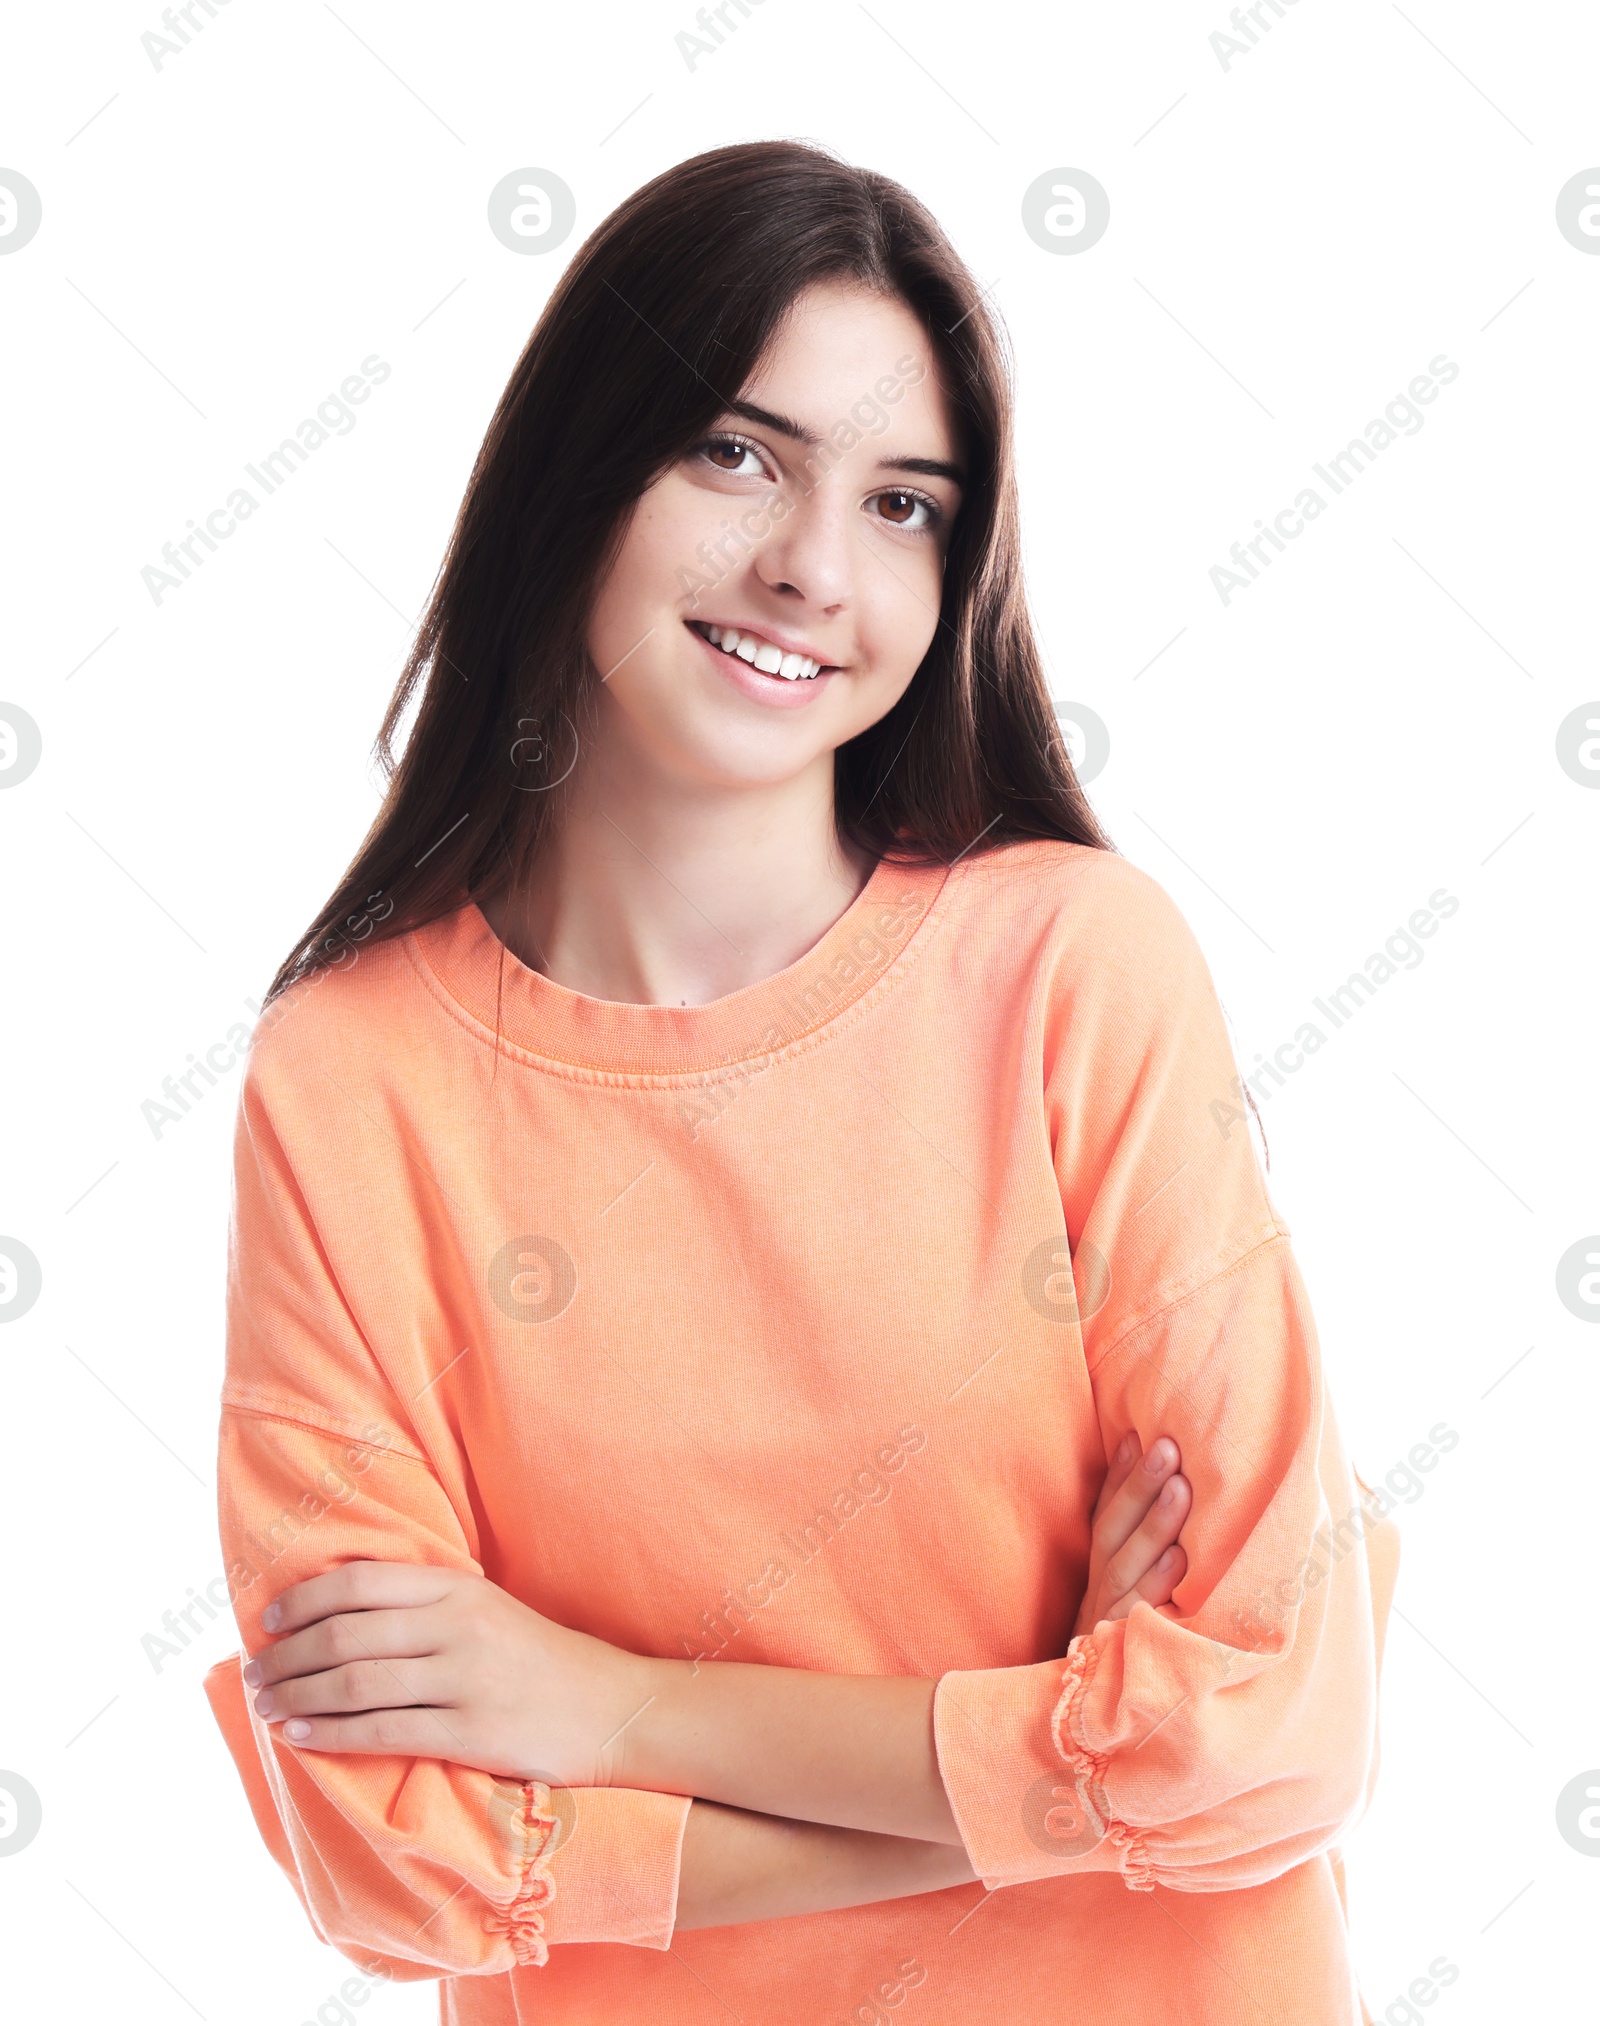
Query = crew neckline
x=460 y=956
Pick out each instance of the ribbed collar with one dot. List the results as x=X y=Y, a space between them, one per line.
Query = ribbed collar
x=461 y=957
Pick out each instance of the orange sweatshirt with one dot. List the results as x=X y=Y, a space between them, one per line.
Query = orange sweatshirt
x=798 y=1328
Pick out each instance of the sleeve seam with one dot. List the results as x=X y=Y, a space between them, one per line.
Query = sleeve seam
x=1274 y=1231
x=323 y=1428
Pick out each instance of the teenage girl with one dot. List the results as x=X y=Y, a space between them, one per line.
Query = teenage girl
x=740 y=1199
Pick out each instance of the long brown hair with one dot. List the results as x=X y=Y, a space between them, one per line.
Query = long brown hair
x=651 y=332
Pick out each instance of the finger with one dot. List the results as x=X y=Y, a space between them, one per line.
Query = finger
x=1123 y=1467
x=356 y=1586
x=361 y=1685
x=1156 y=1585
x=412 y=1733
x=1162 y=1577
x=353 y=1635
x=1122 y=1460
x=1140 y=1488
x=1153 y=1587
x=1155 y=1533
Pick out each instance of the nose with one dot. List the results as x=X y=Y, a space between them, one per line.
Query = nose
x=810 y=555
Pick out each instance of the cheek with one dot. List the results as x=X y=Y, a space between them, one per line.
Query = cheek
x=623 y=593
x=902 y=615
x=672 y=521
x=656 y=564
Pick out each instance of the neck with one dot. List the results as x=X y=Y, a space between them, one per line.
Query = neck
x=676 y=899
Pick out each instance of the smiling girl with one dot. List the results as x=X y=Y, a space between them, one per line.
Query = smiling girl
x=733 y=1241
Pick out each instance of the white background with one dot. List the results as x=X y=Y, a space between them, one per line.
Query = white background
x=1293 y=238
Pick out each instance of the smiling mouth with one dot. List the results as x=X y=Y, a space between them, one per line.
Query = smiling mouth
x=761 y=654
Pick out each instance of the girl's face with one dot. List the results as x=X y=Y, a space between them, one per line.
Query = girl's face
x=809 y=526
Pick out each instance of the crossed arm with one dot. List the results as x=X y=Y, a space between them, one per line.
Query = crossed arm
x=812 y=1791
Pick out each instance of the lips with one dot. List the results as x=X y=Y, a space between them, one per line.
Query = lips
x=761 y=653
x=772 y=692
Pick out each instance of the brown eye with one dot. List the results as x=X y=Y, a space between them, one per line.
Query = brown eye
x=727 y=454
x=899 y=510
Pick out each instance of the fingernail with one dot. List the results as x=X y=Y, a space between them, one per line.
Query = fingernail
x=1156 y=1461
x=1125 y=1446
x=272 y=1617
x=298 y=1728
x=252 y=1674
x=1170 y=1495
x=264 y=1703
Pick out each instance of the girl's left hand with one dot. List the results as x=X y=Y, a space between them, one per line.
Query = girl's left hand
x=1134 y=1552
x=441 y=1664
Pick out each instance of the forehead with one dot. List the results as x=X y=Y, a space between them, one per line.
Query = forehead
x=840 y=345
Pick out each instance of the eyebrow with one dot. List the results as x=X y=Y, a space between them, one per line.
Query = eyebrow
x=923 y=467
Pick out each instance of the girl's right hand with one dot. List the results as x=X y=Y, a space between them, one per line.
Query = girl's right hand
x=1133 y=1549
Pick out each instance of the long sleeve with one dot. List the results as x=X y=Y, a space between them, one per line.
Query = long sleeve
x=1218 y=1748
x=429 y=1867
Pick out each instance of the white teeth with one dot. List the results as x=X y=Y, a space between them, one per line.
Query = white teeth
x=763 y=654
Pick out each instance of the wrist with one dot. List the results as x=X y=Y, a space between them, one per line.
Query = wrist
x=743 y=1866
x=644 y=1752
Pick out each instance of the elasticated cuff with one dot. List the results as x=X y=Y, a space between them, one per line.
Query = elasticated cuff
x=522 y=1920
x=1025 y=1793
x=1088 y=1767
x=602 y=1865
